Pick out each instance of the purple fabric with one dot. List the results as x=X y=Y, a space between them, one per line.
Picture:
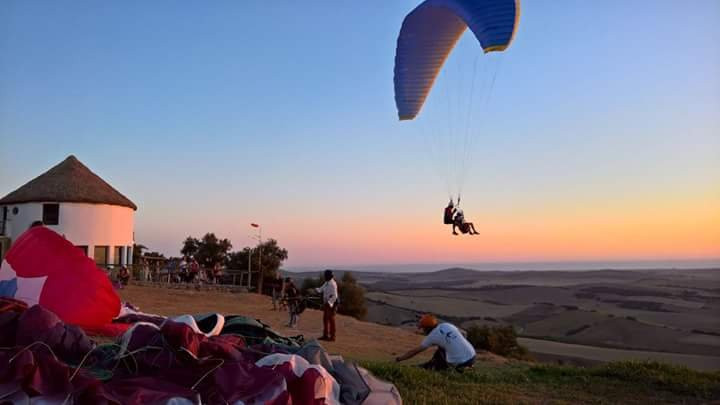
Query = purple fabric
x=37 y=372
x=37 y=324
x=155 y=365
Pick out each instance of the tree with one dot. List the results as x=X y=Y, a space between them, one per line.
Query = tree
x=307 y=289
x=190 y=246
x=272 y=258
x=239 y=260
x=153 y=254
x=211 y=250
x=310 y=283
x=268 y=257
x=352 y=297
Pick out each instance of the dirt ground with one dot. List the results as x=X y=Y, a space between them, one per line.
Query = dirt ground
x=355 y=339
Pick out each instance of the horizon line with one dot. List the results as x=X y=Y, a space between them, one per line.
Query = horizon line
x=557 y=265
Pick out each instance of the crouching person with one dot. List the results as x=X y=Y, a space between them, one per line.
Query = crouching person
x=453 y=350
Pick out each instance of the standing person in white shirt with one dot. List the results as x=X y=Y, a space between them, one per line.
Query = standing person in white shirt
x=453 y=350
x=329 y=292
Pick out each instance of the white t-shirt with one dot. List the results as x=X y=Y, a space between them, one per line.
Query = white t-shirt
x=329 y=291
x=457 y=349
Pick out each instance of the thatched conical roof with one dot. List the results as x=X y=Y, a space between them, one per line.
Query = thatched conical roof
x=68 y=181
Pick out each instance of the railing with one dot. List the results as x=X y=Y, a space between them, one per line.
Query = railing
x=139 y=273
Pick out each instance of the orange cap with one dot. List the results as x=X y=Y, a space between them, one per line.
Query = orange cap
x=427 y=321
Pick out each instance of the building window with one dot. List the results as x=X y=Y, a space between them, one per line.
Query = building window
x=2 y=223
x=51 y=214
x=117 y=256
x=128 y=251
x=83 y=249
x=101 y=255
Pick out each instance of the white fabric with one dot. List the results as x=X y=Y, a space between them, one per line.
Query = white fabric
x=127 y=310
x=329 y=389
x=29 y=289
x=190 y=321
x=459 y=215
x=6 y=271
x=329 y=291
x=446 y=335
x=381 y=392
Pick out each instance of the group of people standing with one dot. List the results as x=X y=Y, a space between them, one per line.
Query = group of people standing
x=189 y=270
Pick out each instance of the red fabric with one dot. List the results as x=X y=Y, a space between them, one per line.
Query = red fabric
x=184 y=357
x=75 y=289
x=167 y=362
x=302 y=389
x=328 y=321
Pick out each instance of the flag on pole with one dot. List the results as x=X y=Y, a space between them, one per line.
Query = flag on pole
x=255 y=225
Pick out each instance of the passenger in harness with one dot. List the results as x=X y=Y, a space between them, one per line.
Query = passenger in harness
x=459 y=222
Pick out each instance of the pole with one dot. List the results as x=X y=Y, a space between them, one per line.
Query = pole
x=260 y=269
x=249 y=273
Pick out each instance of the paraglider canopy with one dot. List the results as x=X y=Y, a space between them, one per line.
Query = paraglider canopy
x=430 y=32
x=44 y=268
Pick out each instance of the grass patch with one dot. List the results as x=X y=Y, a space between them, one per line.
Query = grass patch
x=622 y=382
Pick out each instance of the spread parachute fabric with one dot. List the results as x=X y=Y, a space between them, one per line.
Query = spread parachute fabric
x=430 y=32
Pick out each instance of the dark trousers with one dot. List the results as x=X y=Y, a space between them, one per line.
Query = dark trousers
x=439 y=362
x=328 y=321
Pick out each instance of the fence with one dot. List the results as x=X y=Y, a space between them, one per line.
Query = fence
x=142 y=275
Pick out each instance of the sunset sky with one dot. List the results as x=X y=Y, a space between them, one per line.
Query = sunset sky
x=601 y=140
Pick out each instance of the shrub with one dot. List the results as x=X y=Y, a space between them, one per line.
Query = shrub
x=307 y=289
x=352 y=297
x=310 y=284
x=500 y=340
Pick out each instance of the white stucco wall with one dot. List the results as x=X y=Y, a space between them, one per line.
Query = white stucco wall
x=83 y=224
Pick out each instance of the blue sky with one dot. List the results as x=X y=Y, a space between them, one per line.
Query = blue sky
x=210 y=116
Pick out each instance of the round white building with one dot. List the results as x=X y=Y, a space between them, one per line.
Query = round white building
x=76 y=203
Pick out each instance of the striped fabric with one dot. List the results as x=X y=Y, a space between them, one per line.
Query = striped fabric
x=430 y=32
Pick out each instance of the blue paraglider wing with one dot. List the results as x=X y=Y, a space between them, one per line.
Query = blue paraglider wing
x=429 y=34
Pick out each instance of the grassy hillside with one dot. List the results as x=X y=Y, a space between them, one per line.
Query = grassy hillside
x=493 y=380
x=613 y=383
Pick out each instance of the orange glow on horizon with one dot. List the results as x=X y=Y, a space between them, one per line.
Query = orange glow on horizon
x=679 y=227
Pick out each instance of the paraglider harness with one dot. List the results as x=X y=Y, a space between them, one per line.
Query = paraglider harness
x=448 y=217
